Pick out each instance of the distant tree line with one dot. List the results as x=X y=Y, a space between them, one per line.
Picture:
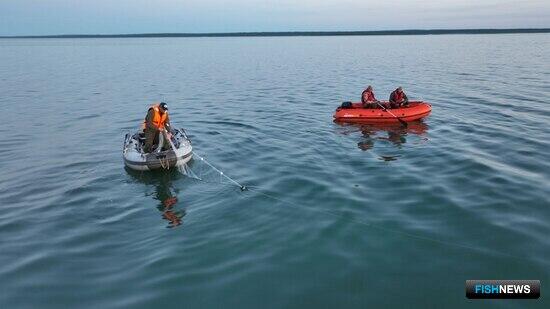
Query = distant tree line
x=294 y=33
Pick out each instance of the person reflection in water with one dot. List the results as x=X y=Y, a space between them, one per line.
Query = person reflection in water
x=397 y=135
x=168 y=200
x=164 y=193
x=174 y=218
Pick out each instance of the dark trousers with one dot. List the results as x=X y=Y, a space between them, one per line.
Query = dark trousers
x=152 y=138
x=398 y=105
x=373 y=105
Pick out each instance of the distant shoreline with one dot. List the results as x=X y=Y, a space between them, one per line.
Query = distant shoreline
x=286 y=33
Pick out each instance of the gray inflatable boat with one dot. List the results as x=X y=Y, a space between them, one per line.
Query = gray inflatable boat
x=136 y=159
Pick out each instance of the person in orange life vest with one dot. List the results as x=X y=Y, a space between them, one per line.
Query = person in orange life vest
x=398 y=98
x=368 y=99
x=156 y=121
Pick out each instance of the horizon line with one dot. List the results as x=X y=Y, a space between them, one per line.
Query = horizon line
x=288 y=33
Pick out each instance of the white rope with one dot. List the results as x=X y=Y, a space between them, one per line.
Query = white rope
x=263 y=192
x=243 y=188
x=486 y=251
x=164 y=163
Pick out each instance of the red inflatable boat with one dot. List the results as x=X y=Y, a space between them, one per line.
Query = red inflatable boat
x=356 y=113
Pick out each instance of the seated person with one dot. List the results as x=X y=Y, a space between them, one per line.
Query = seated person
x=398 y=98
x=368 y=99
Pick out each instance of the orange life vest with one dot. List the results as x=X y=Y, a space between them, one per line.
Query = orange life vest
x=367 y=96
x=398 y=97
x=159 y=120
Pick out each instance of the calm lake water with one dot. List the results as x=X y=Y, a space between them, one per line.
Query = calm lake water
x=338 y=216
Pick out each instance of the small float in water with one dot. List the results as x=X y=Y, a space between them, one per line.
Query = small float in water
x=354 y=112
x=180 y=152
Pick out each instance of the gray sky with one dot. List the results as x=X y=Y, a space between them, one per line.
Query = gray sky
x=38 y=17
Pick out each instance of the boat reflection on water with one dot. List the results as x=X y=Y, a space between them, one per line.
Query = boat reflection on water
x=164 y=193
x=396 y=134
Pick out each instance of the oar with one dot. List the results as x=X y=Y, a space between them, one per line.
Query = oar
x=400 y=120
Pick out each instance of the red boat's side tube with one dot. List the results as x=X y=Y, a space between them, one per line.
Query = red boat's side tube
x=415 y=111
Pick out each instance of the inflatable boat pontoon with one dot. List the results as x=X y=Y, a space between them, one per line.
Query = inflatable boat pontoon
x=136 y=159
x=356 y=113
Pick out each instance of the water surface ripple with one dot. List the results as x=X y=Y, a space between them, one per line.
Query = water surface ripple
x=337 y=215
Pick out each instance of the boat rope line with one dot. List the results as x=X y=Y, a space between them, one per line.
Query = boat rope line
x=186 y=170
x=164 y=163
x=261 y=191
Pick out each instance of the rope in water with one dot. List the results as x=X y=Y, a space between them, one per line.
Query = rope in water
x=243 y=188
x=263 y=191
x=402 y=233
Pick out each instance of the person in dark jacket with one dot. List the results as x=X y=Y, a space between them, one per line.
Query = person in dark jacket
x=398 y=98
x=155 y=122
x=368 y=99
